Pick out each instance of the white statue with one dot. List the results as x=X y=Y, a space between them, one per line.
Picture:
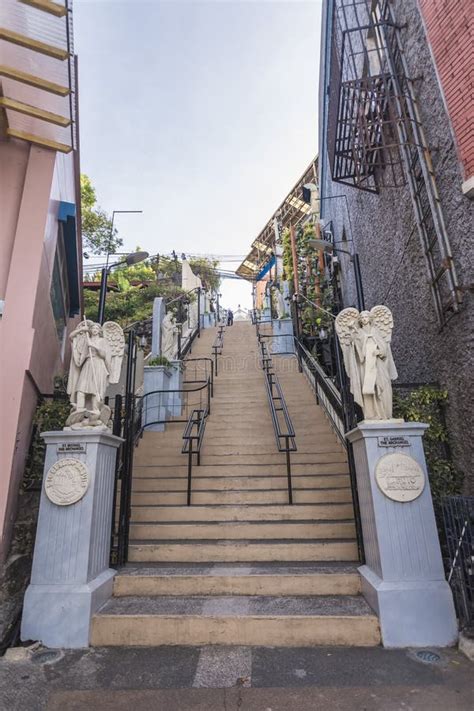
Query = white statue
x=168 y=330
x=96 y=361
x=281 y=306
x=365 y=342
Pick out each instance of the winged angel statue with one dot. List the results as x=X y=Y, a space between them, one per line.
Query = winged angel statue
x=365 y=341
x=96 y=361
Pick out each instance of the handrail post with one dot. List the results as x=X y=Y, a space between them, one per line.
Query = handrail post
x=288 y=470
x=199 y=311
x=190 y=468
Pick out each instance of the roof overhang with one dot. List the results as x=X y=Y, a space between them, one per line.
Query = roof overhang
x=291 y=211
x=37 y=72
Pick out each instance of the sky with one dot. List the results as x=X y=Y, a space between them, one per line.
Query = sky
x=201 y=114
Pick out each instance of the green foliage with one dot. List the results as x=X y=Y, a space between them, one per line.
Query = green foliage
x=141 y=283
x=206 y=269
x=50 y=415
x=159 y=360
x=287 y=255
x=126 y=307
x=425 y=404
x=97 y=233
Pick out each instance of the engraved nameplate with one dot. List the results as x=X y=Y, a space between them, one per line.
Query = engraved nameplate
x=394 y=441
x=71 y=448
x=399 y=477
x=66 y=482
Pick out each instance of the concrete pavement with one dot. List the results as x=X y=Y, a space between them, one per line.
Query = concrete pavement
x=237 y=679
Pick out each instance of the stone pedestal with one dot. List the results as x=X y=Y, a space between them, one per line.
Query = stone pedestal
x=155 y=407
x=208 y=320
x=403 y=578
x=281 y=328
x=71 y=577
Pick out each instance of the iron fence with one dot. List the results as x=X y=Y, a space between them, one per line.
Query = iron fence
x=457 y=539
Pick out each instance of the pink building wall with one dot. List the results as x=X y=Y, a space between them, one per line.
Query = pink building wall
x=33 y=182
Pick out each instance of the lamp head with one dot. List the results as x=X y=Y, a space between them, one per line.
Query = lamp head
x=321 y=244
x=135 y=257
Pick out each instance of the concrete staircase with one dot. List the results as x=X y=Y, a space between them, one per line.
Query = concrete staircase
x=241 y=566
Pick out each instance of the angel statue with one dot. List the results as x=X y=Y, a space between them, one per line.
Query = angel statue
x=96 y=361
x=168 y=328
x=280 y=303
x=365 y=342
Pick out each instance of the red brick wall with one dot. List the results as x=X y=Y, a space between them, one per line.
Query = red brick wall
x=449 y=25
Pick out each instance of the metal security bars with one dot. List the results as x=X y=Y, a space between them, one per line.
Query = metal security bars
x=376 y=137
x=282 y=425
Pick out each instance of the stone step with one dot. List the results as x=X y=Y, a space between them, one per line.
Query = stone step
x=306 y=496
x=331 y=456
x=250 y=470
x=236 y=483
x=243 y=551
x=235 y=620
x=266 y=445
x=242 y=530
x=237 y=579
x=299 y=512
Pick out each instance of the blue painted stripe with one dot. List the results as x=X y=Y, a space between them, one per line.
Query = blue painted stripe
x=266 y=268
x=67 y=215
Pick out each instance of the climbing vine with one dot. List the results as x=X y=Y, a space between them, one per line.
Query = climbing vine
x=426 y=404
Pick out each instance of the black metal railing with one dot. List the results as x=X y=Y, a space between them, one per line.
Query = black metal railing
x=126 y=420
x=338 y=405
x=196 y=367
x=129 y=415
x=193 y=435
x=282 y=425
x=218 y=346
x=458 y=548
x=192 y=395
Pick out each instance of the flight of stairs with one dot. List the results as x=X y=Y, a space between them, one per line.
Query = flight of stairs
x=241 y=566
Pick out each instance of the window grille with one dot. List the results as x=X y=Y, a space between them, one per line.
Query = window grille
x=375 y=135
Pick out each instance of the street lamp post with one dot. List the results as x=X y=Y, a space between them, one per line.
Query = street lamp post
x=117 y=212
x=132 y=258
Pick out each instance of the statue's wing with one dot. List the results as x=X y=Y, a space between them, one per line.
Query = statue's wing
x=345 y=319
x=382 y=317
x=115 y=338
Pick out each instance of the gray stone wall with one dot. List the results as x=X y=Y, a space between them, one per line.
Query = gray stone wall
x=392 y=263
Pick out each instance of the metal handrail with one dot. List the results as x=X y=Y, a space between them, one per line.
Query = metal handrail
x=207 y=360
x=339 y=408
x=183 y=391
x=192 y=442
x=285 y=440
x=218 y=345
